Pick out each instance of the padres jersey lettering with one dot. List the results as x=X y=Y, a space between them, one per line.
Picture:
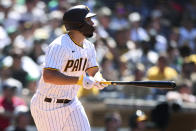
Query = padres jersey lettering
x=69 y=64
x=84 y=64
x=75 y=65
x=72 y=60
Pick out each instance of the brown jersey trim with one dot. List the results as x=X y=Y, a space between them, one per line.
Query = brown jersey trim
x=48 y=68
x=92 y=67
x=74 y=41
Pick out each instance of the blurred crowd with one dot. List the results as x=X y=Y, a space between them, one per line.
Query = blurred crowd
x=135 y=40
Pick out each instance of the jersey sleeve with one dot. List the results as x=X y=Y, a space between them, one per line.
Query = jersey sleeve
x=55 y=57
x=92 y=62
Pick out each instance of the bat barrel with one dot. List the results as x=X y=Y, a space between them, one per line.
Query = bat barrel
x=152 y=84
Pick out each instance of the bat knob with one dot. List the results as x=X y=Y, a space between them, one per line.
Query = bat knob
x=173 y=84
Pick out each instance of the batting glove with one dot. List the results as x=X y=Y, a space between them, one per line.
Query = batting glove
x=86 y=81
x=99 y=79
x=100 y=85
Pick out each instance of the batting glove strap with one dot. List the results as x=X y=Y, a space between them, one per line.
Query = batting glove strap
x=86 y=81
x=80 y=80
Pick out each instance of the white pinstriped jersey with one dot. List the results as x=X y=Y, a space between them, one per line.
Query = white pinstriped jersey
x=70 y=59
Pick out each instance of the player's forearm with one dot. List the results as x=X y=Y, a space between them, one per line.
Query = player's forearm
x=57 y=78
x=92 y=71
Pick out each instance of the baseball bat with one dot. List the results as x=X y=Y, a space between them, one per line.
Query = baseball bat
x=149 y=84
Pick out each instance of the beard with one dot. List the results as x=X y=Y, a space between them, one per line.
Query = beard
x=88 y=35
x=87 y=30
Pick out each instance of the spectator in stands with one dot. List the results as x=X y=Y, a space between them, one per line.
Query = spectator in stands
x=185 y=50
x=138 y=121
x=5 y=73
x=55 y=28
x=21 y=67
x=161 y=71
x=17 y=71
x=12 y=32
x=174 y=37
x=175 y=60
x=187 y=34
x=121 y=38
x=119 y=21
x=161 y=115
x=12 y=82
x=112 y=121
x=184 y=93
x=24 y=40
x=21 y=121
x=137 y=32
x=103 y=29
x=37 y=51
x=137 y=75
x=109 y=67
x=8 y=103
x=187 y=69
x=4 y=39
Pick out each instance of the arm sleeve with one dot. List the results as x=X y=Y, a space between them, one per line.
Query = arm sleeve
x=55 y=57
x=92 y=62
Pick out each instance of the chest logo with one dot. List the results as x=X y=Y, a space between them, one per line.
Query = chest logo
x=76 y=65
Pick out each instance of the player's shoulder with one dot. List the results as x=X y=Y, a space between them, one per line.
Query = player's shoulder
x=60 y=40
x=88 y=43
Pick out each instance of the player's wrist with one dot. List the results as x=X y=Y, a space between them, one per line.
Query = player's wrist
x=88 y=82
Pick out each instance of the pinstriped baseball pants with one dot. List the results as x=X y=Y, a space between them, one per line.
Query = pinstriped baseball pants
x=58 y=116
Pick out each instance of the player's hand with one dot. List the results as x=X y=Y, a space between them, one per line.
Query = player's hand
x=98 y=78
x=100 y=85
x=86 y=81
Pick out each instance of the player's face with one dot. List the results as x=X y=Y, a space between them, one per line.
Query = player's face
x=89 y=28
x=89 y=21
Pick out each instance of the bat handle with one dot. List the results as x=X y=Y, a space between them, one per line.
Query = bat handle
x=106 y=82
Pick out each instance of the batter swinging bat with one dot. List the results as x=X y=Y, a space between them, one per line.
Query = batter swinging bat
x=149 y=84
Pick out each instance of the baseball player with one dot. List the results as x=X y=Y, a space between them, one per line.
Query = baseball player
x=55 y=106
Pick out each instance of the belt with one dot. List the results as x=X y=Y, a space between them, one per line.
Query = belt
x=57 y=101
